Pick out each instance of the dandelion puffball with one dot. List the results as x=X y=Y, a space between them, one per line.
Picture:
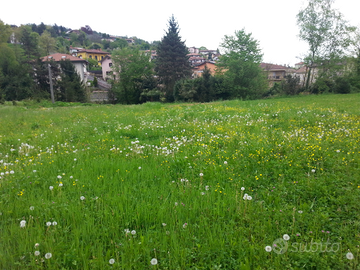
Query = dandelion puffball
x=286 y=237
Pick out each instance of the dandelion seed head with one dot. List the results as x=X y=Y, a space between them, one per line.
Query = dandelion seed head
x=349 y=256
x=48 y=255
x=154 y=261
x=268 y=248
x=286 y=237
x=48 y=223
x=111 y=261
x=82 y=198
x=51 y=187
x=37 y=253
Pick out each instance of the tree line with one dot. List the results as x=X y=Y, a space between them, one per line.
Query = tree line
x=332 y=63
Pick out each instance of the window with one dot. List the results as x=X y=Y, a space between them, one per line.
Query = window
x=90 y=56
x=110 y=64
x=102 y=57
x=95 y=57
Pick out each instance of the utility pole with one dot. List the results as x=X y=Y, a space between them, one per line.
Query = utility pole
x=51 y=85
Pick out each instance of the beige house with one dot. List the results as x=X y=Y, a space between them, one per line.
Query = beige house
x=80 y=64
x=276 y=73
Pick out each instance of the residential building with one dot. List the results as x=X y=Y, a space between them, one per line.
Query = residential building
x=198 y=69
x=106 y=67
x=97 y=55
x=276 y=73
x=80 y=64
x=193 y=50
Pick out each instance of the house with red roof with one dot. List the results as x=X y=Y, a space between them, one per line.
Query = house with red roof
x=80 y=64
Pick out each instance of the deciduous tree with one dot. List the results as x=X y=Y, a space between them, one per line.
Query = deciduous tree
x=240 y=65
x=326 y=32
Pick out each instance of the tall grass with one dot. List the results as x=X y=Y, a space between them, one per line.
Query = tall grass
x=133 y=183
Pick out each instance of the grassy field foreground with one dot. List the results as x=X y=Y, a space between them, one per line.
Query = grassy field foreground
x=270 y=184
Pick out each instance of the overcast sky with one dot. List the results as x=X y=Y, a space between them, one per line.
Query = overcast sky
x=202 y=23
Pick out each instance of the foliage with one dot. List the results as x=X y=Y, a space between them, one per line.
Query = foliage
x=5 y=32
x=327 y=34
x=172 y=62
x=119 y=43
x=240 y=64
x=30 y=43
x=47 y=43
x=201 y=89
x=71 y=89
x=135 y=73
x=15 y=79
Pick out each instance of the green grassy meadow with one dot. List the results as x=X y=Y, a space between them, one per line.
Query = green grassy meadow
x=194 y=186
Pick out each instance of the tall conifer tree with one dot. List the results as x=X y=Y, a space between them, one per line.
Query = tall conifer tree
x=172 y=63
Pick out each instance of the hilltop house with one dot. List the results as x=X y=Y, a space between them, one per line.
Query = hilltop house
x=80 y=64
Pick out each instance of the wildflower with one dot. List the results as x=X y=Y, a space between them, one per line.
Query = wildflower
x=185 y=225
x=286 y=237
x=176 y=203
x=111 y=261
x=225 y=162
x=22 y=223
x=206 y=187
x=139 y=168
x=312 y=170
x=12 y=172
x=74 y=159
x=37 y=253
x=51 y=187
x=127 y=231
x=48 y=255
x=48 y=223
x=202 y=193
x=201 y=174
x=164 y=224
x=245 y=196
x=34 y=171
x=337 y=151
x=133 y=232
x=59 y=177
x=54 y=223
x=82 y=198
x=268 y=248
x=249 y=198
x=242 y=188
x=349 y=256
x=154 y=261
x=32 y=208
x=36 y=245
x=300 y=212
x=61 y=184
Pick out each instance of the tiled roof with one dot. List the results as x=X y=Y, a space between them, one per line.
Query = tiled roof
x=267 y=66
x=93 y=51
x=62 y=56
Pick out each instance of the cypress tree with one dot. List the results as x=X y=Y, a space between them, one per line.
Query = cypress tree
x=172 y=63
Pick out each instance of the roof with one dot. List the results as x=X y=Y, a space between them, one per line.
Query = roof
x=106 y=57
x=267 y=66
x=62 y=56
x=93 y=51
x=196 y=65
